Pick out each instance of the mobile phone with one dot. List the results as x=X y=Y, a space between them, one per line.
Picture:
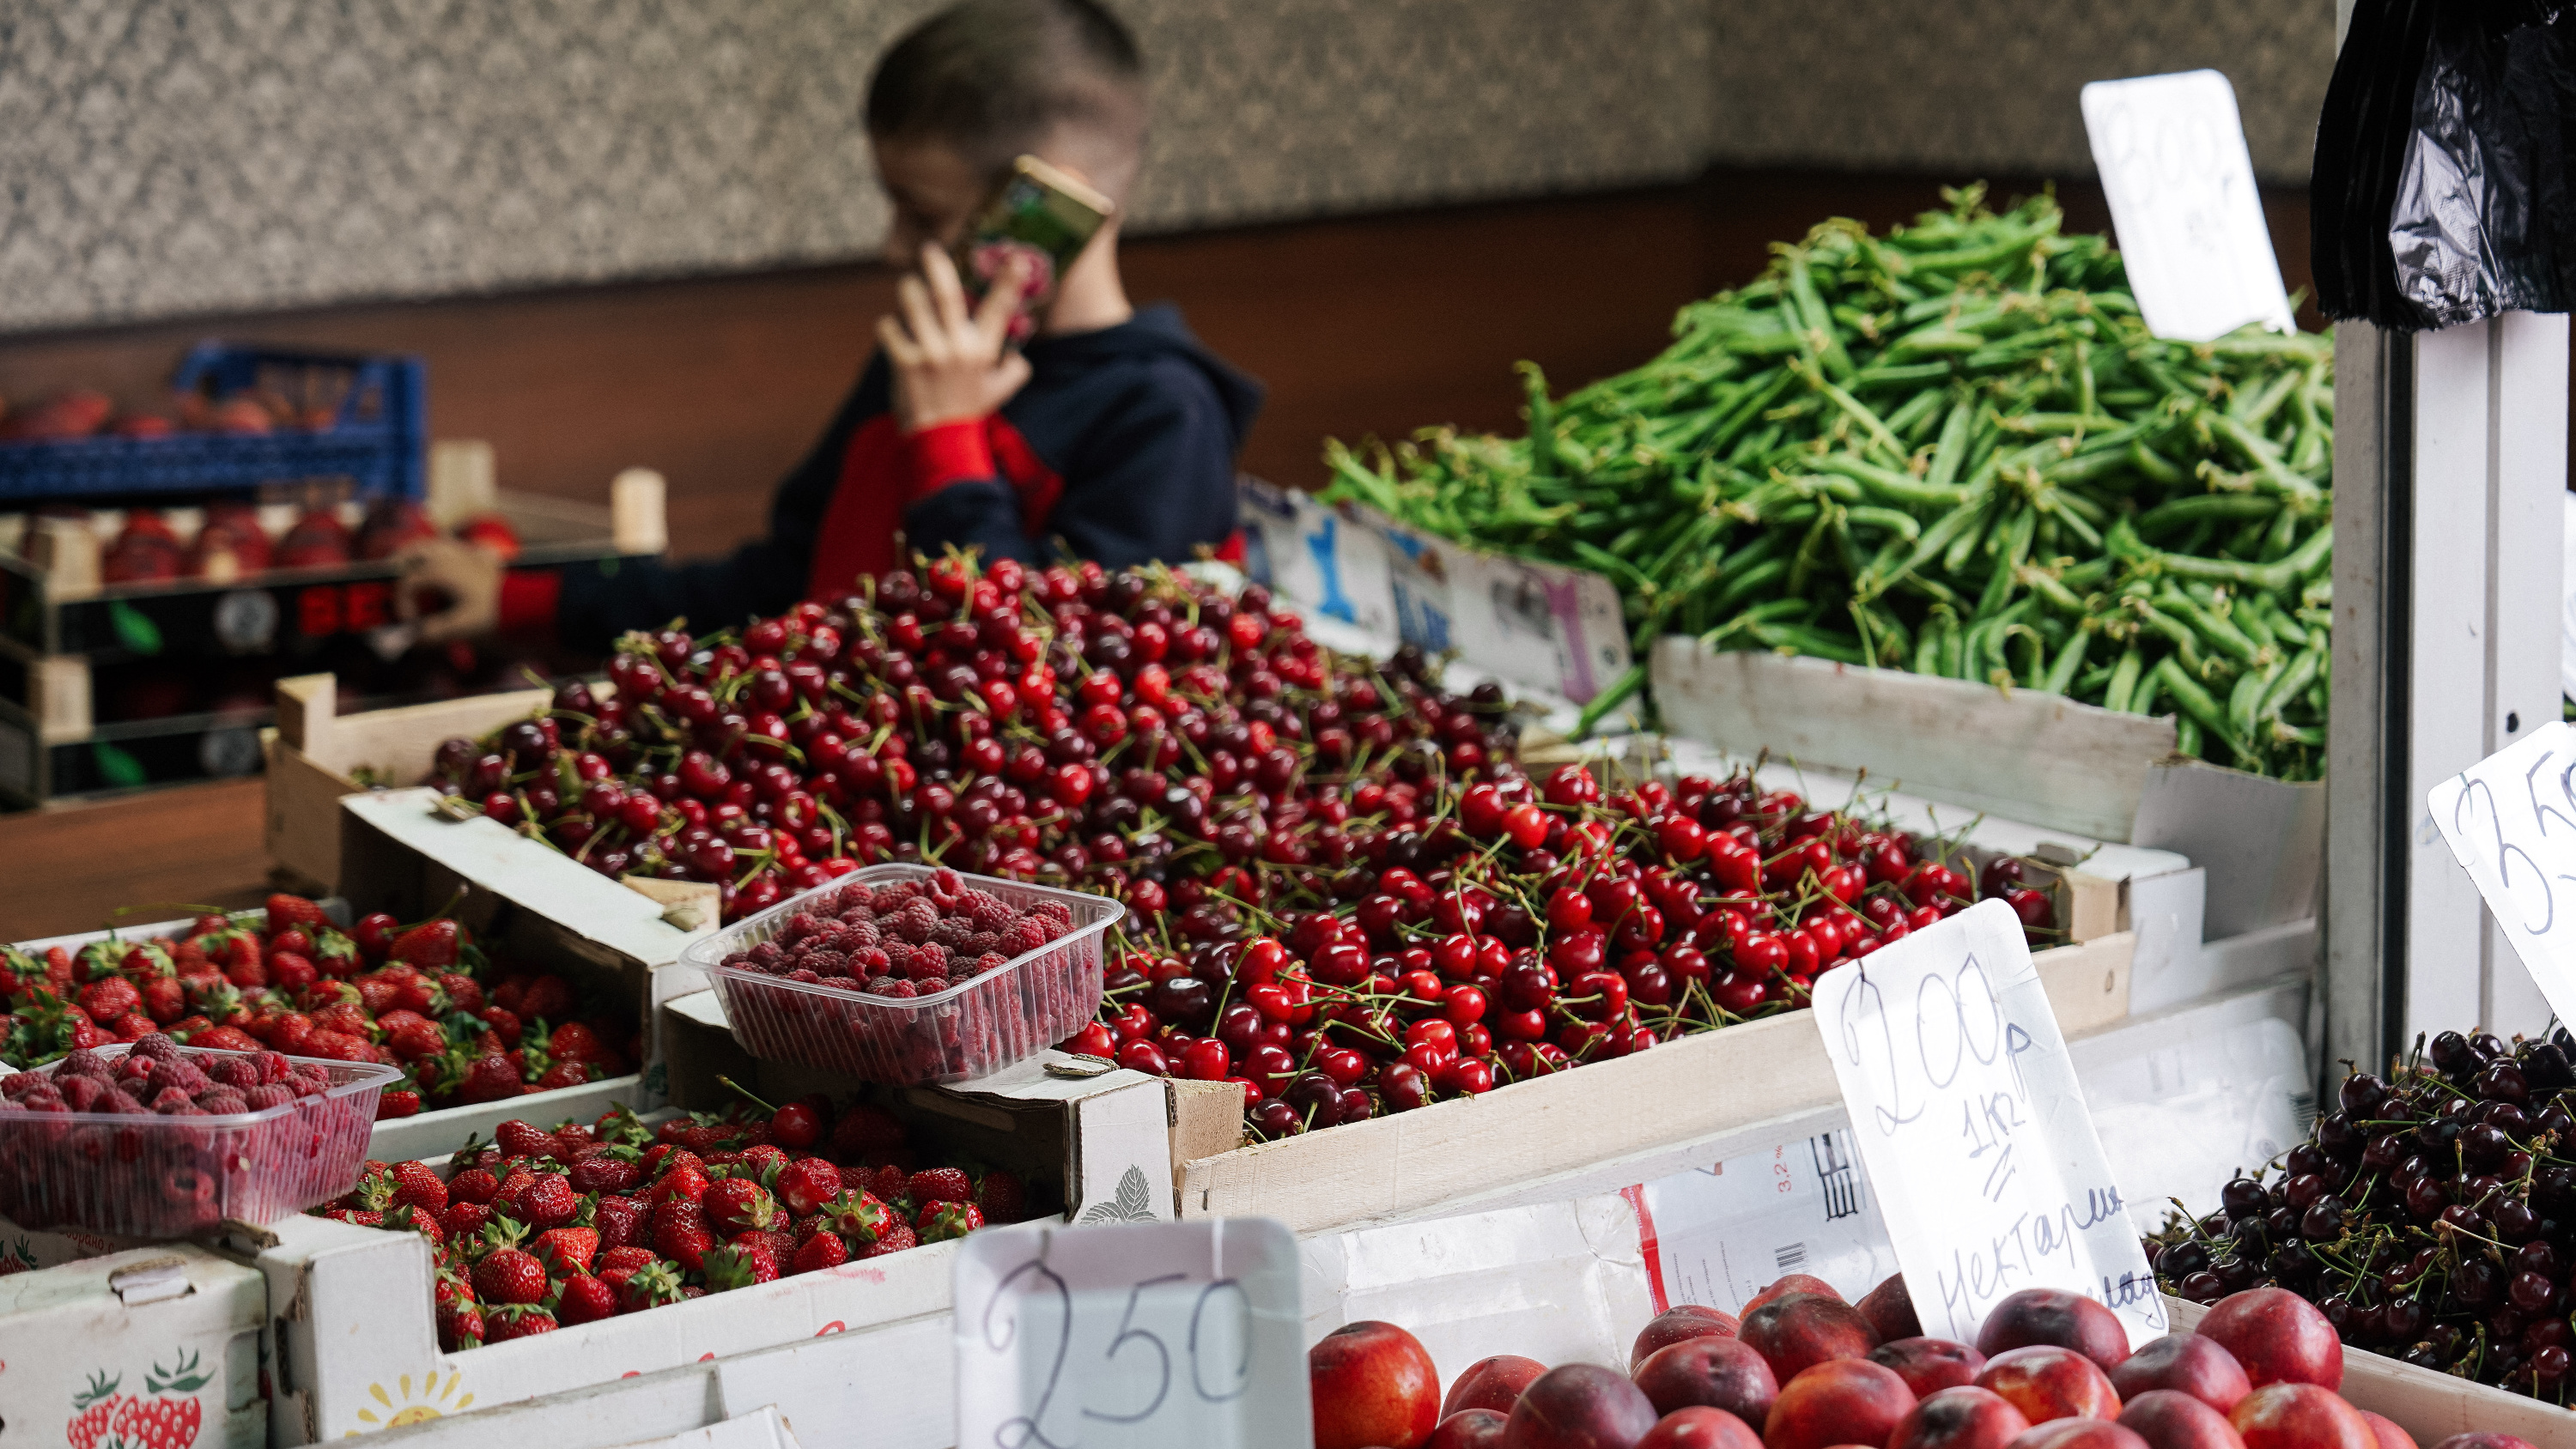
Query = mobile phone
x=1037 y=212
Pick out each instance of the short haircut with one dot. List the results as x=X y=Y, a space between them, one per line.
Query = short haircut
x=994 y=78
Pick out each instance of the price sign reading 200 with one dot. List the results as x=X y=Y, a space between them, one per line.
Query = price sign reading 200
x=1172 y=1333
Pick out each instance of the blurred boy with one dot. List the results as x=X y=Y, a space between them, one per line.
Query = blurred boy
x=1113 y=430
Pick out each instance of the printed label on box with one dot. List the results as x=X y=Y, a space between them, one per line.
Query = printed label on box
x=1716 y=1236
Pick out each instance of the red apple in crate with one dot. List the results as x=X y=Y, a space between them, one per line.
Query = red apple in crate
x=143 y=552
x=1890 y=1309
x=1468 y=1429
x=1960 y=1418
x=1718 y=1373
x=1796 y=1331
x=2277 y=1337
x=1373 y=1385
x=1929 y=1365
x=2047 y=1382
x=1687 y=1320
x=1579 y=1406
x=1794 y=1283
x=1700 y=1427
x=1491 y=1383
x=2186 y=1362
x=2079 y=1434
x=2172 y=1419
x=2055 y=1316
x=1840 y=1401
x=2288 y=1415
x=2390 y=1436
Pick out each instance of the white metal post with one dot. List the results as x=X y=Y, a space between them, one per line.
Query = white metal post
x=2450 y=466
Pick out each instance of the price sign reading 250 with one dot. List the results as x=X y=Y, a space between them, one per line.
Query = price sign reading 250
x=1164 y=1333
x=2511 y=820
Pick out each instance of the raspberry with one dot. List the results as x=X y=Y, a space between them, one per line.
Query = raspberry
x=952 y=932
x=158 y=1047
x=267 y=1095
x=799 y=926
x=928 y=959
x=898 y=953
x=859 y=915
x=1022 y=937
x=768 y=954
x=889 y=986
x=916 y=921
x=826 y=963
x=891 y=897
x=979 y=943
x=869 y=961
x=991 y=961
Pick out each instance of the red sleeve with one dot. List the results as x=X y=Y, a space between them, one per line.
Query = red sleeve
x=528 y=599
x=945 y=453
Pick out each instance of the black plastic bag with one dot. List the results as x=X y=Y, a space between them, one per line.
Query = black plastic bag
x=2440 y=190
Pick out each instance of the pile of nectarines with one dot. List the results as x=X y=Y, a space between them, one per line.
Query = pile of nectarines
x=1803 y=1369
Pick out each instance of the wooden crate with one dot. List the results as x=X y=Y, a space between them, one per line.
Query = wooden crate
x=1409 y=1163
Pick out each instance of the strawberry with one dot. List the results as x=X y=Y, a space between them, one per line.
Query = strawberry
x=111 y=998
x=820 y=1251
x=503 y=1022
x=397 y=1102
x=463 y=992
x=507 y=1275
x=863 y=1130
x=416 y=1183
x=546 y=997
x=463 y=1220
x=939 y=1184
x=460 y=1326
x=565 y=1074
x=621 y=1220
x=740 y=1266
x=521 y=1138
x=486 y=1078
x=414 y=991
x=607 y=1170
x=294 y=913
x=683 y=1176
x=413 y=1036
x=805 y=1186
x=473 y=1184
x=566 y=1251
x=584 y=1299
x=246 y=968
x=433 y=945
x=517 y=1320
x=410 y=1218
x=292 y=1033
x=891 y=1183
x=858 y=1216
x=897 y=1238
x=574 y=1042
x=625 y=1259
x=165 y=999
x=291 y=970
x=1002 y=1196
x=941 y=1221
x=295 y=939
x=737 y=1204
x=230 y=1039
x=650 y=1286
x=680 y=1234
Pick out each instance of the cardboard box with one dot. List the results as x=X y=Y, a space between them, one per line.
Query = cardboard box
x=354 y=1343
x=2040 y=758
x=1101 y=1140
x=156 y=1345
x=2428 y=1405
x=1411 y=1163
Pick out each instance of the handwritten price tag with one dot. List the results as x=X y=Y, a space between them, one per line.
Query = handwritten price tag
x=2171 y=149
x=1181 y=1334
x=1966 y=1112
x=2511 y=819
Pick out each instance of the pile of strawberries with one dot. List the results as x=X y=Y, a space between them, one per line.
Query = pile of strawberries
x=423 y=997
x=542 y=1229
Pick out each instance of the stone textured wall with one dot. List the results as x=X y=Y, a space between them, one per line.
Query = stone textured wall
x=161 y=158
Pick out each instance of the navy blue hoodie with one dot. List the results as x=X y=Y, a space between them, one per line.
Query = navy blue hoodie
x=1121 y=445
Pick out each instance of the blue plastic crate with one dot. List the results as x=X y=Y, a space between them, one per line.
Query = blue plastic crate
x=376 y=439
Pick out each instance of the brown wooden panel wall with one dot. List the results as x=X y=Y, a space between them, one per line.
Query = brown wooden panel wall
x=1370 y=325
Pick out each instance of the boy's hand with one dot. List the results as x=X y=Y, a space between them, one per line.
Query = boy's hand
x=949 y=362
x=462 y=576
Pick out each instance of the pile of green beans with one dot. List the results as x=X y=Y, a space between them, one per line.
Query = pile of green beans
x=1953 y=449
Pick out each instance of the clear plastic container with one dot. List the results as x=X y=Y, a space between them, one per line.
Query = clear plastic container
x=976 y=1027
x=169 y=1177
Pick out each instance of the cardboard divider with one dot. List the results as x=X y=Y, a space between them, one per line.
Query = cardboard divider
x=1411 y=1163
x=1097 y=1142
x=169 y=1327
x=2022 y=754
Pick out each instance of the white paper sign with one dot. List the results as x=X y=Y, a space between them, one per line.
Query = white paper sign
x=2511 y=819
x=2171 y=150
x=1965 y=1107
x=1718 y=1235
x=1180 y=1334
